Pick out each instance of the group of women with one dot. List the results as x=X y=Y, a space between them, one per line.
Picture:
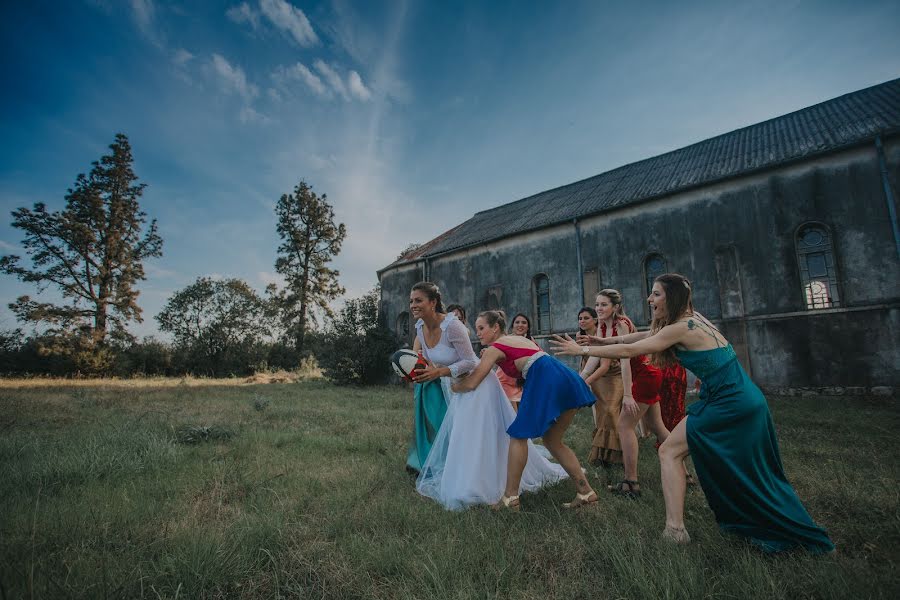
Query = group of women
x=472 y=447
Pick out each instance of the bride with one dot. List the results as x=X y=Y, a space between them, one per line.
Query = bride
x=467 y=462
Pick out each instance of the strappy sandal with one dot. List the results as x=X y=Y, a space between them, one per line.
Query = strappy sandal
x=676 y=535
x=508 y=503
x=582 y=500
x=630 y=493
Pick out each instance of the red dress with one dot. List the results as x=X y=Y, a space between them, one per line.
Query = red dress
x=645 y=378
x=671 y=395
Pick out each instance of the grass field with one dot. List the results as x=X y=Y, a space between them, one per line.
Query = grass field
x=299 y=490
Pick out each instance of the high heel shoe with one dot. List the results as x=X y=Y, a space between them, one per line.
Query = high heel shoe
x=676 y=535
x=508 y=503
x=582 y=500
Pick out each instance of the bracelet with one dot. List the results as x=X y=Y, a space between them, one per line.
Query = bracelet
x=584 y=350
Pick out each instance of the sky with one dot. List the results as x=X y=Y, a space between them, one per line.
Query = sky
x=410 y=115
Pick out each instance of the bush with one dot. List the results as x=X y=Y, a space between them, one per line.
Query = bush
x=357 y=347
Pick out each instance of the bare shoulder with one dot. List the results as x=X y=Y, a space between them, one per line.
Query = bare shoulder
x=516 y=341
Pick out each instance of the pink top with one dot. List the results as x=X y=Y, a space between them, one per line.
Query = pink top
x=508 y=364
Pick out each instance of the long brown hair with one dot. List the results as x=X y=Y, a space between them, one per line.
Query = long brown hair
x=679 y=302
x=615 y=296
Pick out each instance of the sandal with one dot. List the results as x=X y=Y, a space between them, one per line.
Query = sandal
x=630 y=493
x=676 y=535
x=582 y=500
x=508 y=503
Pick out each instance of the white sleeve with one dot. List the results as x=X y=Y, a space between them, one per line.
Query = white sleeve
x=458 y=338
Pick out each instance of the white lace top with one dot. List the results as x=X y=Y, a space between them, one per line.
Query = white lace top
x=453 y=350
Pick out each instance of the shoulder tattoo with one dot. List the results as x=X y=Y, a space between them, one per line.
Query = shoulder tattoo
x=691 y=324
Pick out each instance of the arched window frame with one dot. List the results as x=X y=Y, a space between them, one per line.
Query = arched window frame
x=817 y=267
x=542 y=324
x=402 y=325
x=649 y=275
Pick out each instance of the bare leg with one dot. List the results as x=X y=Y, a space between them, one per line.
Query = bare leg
x=517 y=459
x=628 y=440
x=654 y=422
x=563 y=454
x=671 y=459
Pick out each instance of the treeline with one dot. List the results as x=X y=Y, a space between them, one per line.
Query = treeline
x=92 y=253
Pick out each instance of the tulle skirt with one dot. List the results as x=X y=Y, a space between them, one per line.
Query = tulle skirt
x=467 y=462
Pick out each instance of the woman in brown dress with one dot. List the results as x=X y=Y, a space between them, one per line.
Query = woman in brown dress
x=606 y=382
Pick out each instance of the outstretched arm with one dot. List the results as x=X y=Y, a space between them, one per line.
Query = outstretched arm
x=628 y=338
x=665 y=337
x=489 y=358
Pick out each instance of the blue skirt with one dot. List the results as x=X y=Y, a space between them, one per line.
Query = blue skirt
x=551 y=388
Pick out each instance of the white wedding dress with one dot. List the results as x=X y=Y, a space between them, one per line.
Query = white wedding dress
x=467 y=462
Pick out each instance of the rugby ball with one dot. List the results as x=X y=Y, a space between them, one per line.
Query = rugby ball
x=405 y=361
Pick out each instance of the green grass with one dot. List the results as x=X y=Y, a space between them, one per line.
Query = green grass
x=299 y=491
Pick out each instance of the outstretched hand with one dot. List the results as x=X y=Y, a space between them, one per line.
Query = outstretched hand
x=565 y=345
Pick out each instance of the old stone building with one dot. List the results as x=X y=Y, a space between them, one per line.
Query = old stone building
x=788 y=229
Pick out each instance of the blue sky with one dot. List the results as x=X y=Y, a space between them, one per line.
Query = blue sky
x=410 y=116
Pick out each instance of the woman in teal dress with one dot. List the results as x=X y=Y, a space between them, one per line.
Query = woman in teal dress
x=728 y=432
x=430 y=396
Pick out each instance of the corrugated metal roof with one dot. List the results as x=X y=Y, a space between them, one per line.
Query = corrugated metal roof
x=826 y=127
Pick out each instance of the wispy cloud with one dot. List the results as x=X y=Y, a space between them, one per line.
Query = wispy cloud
x=233 y=78
x=300 y=72
x=7 y=247
x=143 y=12
x=326 y=83
x=333 y=79
x=243 y=13
x=249 y=114
x=182 y=57
x=357 y=87
x=290 y=19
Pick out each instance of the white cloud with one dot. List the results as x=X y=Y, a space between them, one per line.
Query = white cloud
x=234 y=78
x=333 y=79
x=300 y=72
x=267 y=278
x=243 y=13
x=291 y=19
x=182 y=57
x=357 y=87
x=7 y=247
x=250 y=115
x=144 y=14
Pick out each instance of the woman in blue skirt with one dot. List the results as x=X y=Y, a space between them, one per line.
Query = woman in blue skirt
x=728 y=433
x=551 y=395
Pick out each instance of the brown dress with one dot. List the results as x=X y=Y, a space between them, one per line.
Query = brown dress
x=605 y=446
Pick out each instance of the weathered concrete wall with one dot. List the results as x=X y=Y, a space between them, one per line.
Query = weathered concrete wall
x=752 y=223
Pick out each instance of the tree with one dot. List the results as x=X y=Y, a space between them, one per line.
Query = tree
x=92 y=251
x=219 y=325
x=309 y=241
x=357 y=345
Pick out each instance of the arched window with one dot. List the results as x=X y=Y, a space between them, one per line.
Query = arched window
x=818 y=271
x=403 y=325
x=654 y=266
x=541 y=294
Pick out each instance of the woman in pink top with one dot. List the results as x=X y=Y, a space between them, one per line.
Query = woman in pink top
x=551 y=395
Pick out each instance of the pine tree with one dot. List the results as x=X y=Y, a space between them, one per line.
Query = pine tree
x=310 y=239
x=92 y=251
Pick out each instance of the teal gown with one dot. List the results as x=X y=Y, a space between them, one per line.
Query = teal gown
x=430 y=408
x=732 y=441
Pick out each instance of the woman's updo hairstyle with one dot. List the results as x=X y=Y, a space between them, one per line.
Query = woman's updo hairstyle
x=432 y=292
x=494 y=317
